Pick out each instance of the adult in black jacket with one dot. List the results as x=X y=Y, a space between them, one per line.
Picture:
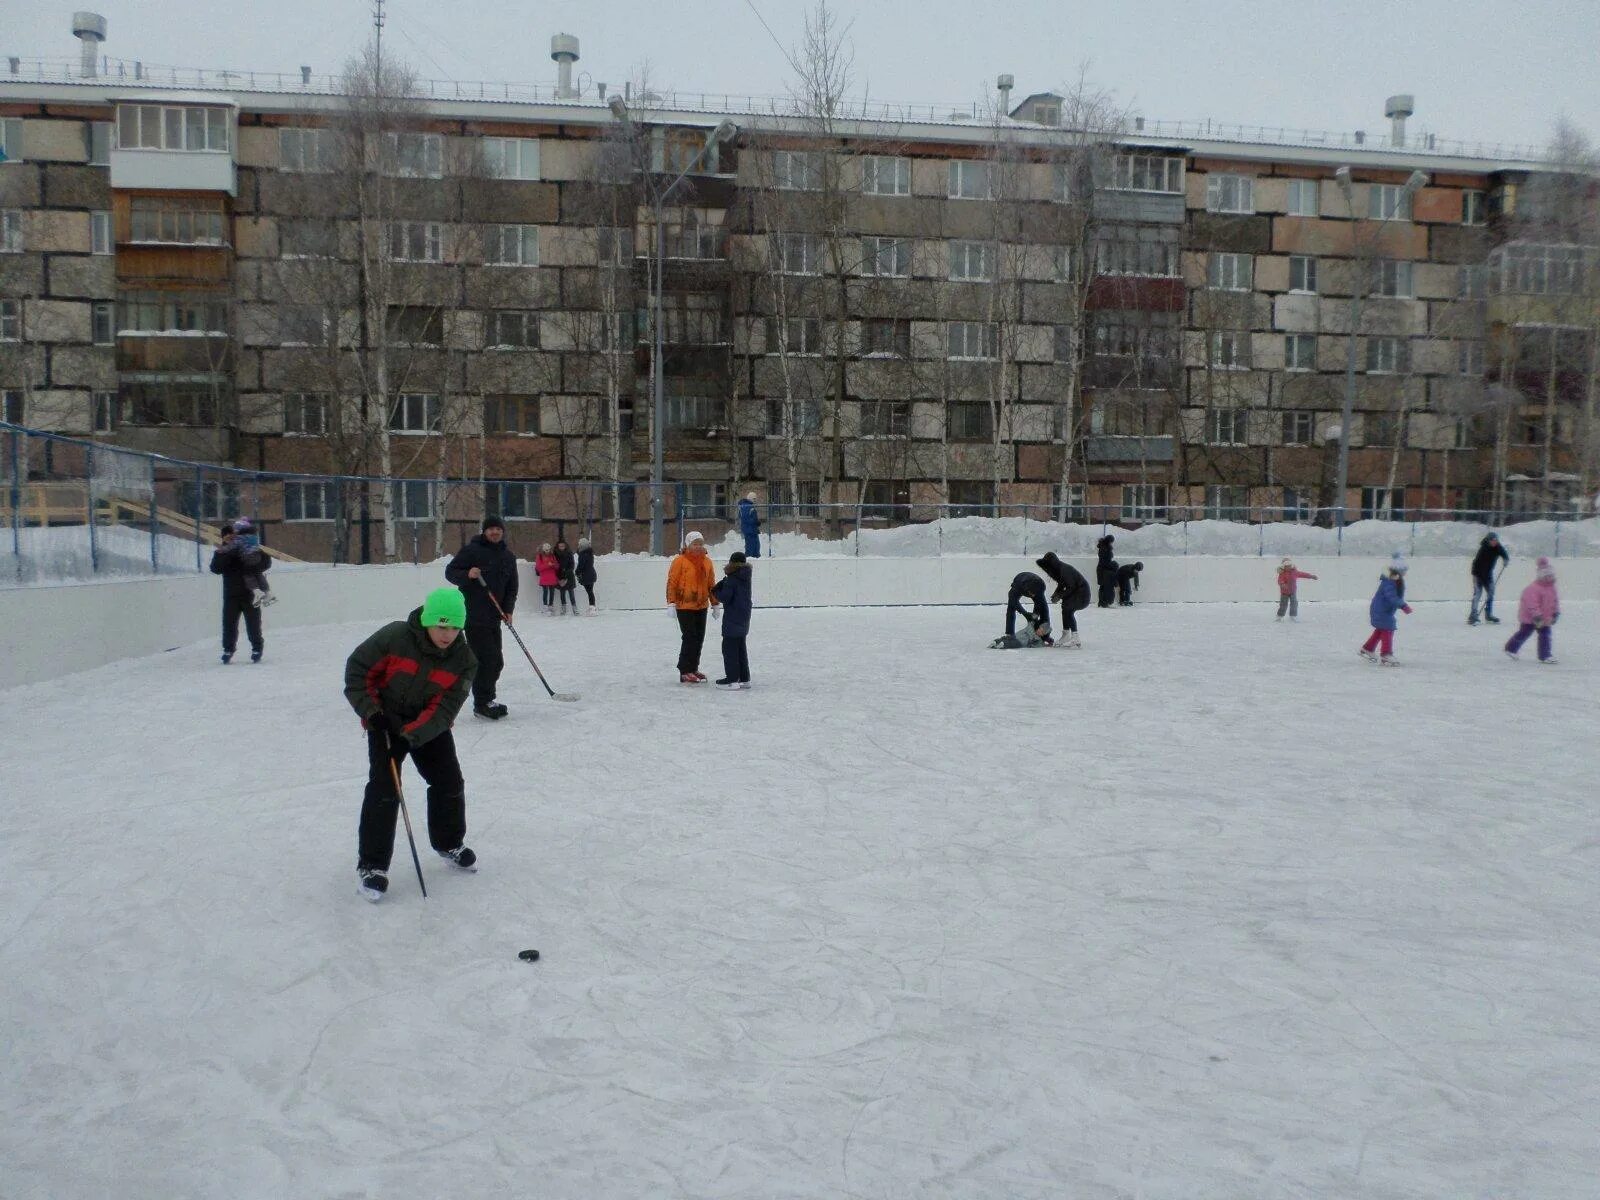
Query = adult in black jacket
x=486 y=566
x=234 y=561
x=1128 y=583
x=735 y=593
x=566 y=575
x=586 y=575
x=1490 y=553
x=1105 y=572
x=1027 y=587
x=1072 y=589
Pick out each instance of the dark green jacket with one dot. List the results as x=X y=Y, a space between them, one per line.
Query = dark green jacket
x=399 y=671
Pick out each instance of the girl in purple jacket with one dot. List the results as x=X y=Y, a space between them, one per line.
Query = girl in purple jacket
x=1386 y=601
x=1537 y=610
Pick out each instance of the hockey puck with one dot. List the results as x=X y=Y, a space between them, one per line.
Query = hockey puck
x=529 y=956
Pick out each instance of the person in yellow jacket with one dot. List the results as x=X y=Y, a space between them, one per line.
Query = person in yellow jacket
x=689 y=584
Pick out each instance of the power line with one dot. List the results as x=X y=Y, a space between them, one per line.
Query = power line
x=787 y=57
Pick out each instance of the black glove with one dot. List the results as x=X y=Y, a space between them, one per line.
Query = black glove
x=378 y=722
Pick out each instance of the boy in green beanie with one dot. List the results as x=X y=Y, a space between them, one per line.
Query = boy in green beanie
x=407 y=682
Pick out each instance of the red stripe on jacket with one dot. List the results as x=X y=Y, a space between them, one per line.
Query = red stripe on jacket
x=385 y=669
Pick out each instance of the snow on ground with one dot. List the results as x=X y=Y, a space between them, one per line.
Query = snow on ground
x=1209 y=909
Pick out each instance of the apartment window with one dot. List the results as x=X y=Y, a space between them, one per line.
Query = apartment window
x=11 y=231
x=886 y=257
x=804 y=504
x=1469 y=358
x=1297 y=505
x=885 y=418
x=158 y=398
x=416 y=155
x=102 y=323
x=517 y=414
x=511 y=245
x=1302 y=273
x=969 y=421
x=692 y=236
x=99 y=138
x=209 y=500
x=305 y=500
x=305 y=413
x=1230 y=272
x=303 y=324
x=613 y=247
x=972 y=261
x=511 y=158
x=795 y=335
x=972 y=340
x=797 y=170
x=1230 y=350
x=160 y=127
x=1299 y=428
x=1388 y=202
x=972 y=498
x=1382 y=504
x=1061 y=263
x=416 y=241
x=885 y=176
x=1527 y=429
x=414 y=412
x=1474 y=208
x=415 y=325
x=801 y=253
x=688 y=410
x=691 y=319
x=1228 y=427
x=806 y=416
x=412 y=499
x=517 y=501
x=1064 y=343
x=1227 y=502
x=968 y=180
x=172 y=312
x=885 y=337
x=886 y=500
x=11 y=140
x=513 y=330
x=1144 y=501
x=1387 y=355
x=1148 y=250
x=1230 y=194
x=1391 y=277
x=1068 y=502
x=1304 y=198
x=1530 y=269
x=103 y=411
x=1472 y=282
x=305 y=150
x=100 y=233
x=1125 y=417
x=1462 y=435
x=1146 y=173
x=10 y=320
x=308 y=239
x=704 y=501
x=1300 y=352
x=172 y=219
x=12 y=408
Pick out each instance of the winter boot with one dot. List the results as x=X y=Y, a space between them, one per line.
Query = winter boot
x=374 y=883
x=461 y=857
x=592 y=611
x=727 y=684
x=1491 y=620
x=1512 y=655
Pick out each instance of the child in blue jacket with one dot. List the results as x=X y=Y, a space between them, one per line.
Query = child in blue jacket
x=734 y=593
x=1386 y=601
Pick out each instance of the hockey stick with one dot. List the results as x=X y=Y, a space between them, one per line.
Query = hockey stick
x=564 y=697
x=394 y=772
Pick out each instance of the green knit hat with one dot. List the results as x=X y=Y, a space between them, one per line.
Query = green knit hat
x=444 y=606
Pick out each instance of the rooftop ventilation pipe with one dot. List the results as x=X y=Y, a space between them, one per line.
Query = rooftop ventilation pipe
x=1005 y=83
x=1397 y=109
x=90 y=29
x=564 y=49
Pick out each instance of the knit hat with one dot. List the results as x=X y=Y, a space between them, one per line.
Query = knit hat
x=546 y=547
x=737 y=557
x=1288 y=562
x=750 y=496
x=691 y=538
x=1543 y=569
x=493 y=523
x=445 y=606
x=1398 y=563
x=583 y=543
x=242 y=525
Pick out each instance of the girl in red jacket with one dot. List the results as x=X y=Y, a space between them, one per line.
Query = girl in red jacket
x=1288 y=579
x=547 y=569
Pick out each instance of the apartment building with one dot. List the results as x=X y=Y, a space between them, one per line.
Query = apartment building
x=895 y=313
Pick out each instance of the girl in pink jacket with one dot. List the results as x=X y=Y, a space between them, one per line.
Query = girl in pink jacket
x=1288 y=580
x=545 y=567
x=1538 y=609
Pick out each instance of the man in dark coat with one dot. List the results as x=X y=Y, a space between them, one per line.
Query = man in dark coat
x=1072 y=589
x=1128 y=583
x=1490 y=554
x=407 y=682
x=734 y=592
x=1027 y=586
x=486 y=568
x=236 y=562
x=1105 y=572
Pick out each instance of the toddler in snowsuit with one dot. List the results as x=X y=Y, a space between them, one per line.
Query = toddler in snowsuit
x=1386 y=601
x=585 y=573
x=1288 y=589
x=247 y=545
x=1537 y=610
x=1128 y=583
x=548 y=569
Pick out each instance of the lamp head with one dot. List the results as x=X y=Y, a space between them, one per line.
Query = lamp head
x=1416 y=182
x=618 y=107
x=725 y=131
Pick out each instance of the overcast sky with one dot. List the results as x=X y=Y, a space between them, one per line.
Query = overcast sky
x=1481 y=70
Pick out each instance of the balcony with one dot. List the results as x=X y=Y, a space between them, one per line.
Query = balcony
x=1104 y=448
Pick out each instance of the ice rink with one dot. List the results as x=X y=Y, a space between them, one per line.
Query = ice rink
x=1210 y=909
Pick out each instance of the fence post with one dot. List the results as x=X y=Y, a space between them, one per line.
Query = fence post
x=88 y=470
x=155 y=549
x=1186 y=537
x=199 y=507
x=1557 y=552
x=1411 y=550
x=1261 y=537
x=16 y=500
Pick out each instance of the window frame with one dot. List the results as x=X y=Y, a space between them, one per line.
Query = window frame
x=807 y=416
x=527 y=407
x=103 y=323
x=10 y=319
x=1228 y=427
x=1293 y=434
x=1299 y=188
x=1138 y=173
x=154 y=126
x=1294 y=346
x=317 y=140
x=1388 y=202
x=304 y=403
x=398 y=151
x=409 y=408
x=1238 y=344
x=968 y=421
x=961 y=252
x=176 y=221
x=11 y=235
x=872 y=171
x=1218 y=274
x=297 y=491
x=401 y=503
x=505 y=234
x=873 y=249
x=523 y=322
x=1144 y=502
x=1306 y=266
x=884 y=419
x=1395 y=349
x=958 y=186
x=1230 y=192
x=1474 y=207
x=499 y=163
x=988 y=341
x=416 y=241
x=103 y=411
x=809 y=342
x=1392 y=279
x=900 y=330
x=797 y=170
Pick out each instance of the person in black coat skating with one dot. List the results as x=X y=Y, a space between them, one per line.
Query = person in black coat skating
x=1028 y=587
x=566 y=576
x=237 y=562
x=1072 y=589
x=586 y=572
x=1490 y=554
x=1105 y=572
x=736 y=595
x=486 y=560
x=1128 y=583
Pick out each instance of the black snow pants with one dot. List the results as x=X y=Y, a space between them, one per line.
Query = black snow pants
x=486 y=647
x=447 y=799
x=692 y=625
x=232 y=608
x=1106 y=576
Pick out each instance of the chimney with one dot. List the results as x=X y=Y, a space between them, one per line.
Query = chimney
x=90 y=29
x=305 y=76
x=1005 y=83
x=564 y=49
x=1397 y=109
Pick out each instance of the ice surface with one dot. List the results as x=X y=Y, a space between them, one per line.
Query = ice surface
x=1208 y=909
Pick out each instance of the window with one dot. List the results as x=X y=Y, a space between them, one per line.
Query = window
x=795 y=335
x=1300 y=352
x=1391 y=278
x=1529 y=269
x=1472 y=282
x=688 y=410
x=209 y=500
x=1230 y=272
x=512 y=245
x=157 y=398
x=303 y=324
x=412 y=499
x=884 y=337
x=690 y=319
x=103 y=411
x=1474 y=208
x=972 y=498
x=160 y=127
x=1070 y=181
x=1381 y=504
x=516 y=501
x=1068 y=503
x=1302 y=273
x=1133 y=349
x=415 y=325
x=1230 y=194
x=613 y=247
x=1148 y=250
x=11 y=140
x=308 y=239
x=1047 y=114
x=704 y=500
x=884 y=176
x=1388 y=202
x=886 y=500
x=1304 y=198
x=1527 y=429
x=804 y=504
x=1144 y=501
x=305 y=413
x=1230 y=350
x=10 y=320
x=1227 y=502
x=972 y=261
x=886 y=257
x=969 y=421
x=416 y=241
x=1299 y=428
x=99 y=138
x=969 y=180
x=11 y=231
x=972 y=339
x=1064 y=343
x=303 y=150
x=414 y=412
x=517 y=414
x=885 y=418
x=308 y=500
x=1228 y=427
x=801 y=253
x=512 y=330
x=197 y=222
x=102 y=323
x=415 y=155
x=511 y=158
x=100 y=233
x=1469 y=358
x=1146 y=173
x=173 y=312
x=805 y=414
x=1061 y=263
x=692 y=236
x=1127 y=417
x=1387 y=355
x=12 y=408
x=796 y=170
x=1297 y=505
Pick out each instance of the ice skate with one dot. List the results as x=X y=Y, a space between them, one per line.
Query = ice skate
x=1512 y=655
x=461 y=858
x=727 y=685
x=492 y=711
x=1367 y=654
x=255 y=656
x=1389 y=660
x=227 y=657
x=374 y=883
x=688 y=677
x=1548 y=662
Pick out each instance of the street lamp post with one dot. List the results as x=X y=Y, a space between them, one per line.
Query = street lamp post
x=725 y=131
